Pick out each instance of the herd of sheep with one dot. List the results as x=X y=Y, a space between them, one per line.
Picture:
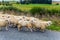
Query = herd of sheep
x=30 y=23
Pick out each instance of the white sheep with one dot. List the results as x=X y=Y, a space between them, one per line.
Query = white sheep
x=44 y=25
x=33 y=19
x=18 y=17
x=4 y=23
x=41 y=24
x=13 y=21
x=24 y=23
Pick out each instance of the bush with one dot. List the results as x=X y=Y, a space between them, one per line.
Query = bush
x=52 y=11
x=35 y=10
x=10 y=8
x=38 y=10
x=17 y=2
x=45 y=11
x=57 y=3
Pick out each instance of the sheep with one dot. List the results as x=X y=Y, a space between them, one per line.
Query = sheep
x=33 y=19
x=22 y=18
x=5 y=16
x=4 y=23
x=41 y=25
x=26 y=18
x=25 y=24
x=10 y=18
x=44 y=25
x=18 y=17
x=13 y=21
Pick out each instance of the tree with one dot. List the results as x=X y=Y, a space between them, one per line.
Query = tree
x=3 y=2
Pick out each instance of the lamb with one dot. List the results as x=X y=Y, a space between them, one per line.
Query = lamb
x=25 y=24
x=3 y=23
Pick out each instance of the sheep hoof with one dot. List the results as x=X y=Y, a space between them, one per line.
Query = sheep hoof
x=31 y=31
x=18 y=29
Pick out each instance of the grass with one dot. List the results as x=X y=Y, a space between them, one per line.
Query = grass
x=54 y=27
x=25 y=7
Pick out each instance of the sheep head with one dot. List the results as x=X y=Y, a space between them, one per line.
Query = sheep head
x=49 y=23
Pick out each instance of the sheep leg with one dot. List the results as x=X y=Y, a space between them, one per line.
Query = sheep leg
x=6 y=27
x=34 y=28
x=13 y=25
x=42 y=30
x=30 y=28
x=19 y=27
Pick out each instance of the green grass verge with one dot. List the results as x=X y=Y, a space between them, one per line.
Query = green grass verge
x=26 y=7
x=54 y=27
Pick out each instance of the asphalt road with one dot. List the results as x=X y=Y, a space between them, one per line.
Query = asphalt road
x=14 y=34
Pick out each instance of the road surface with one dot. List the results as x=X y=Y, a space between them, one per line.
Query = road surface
x=14 y=34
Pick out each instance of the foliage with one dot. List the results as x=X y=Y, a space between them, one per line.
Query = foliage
x=9 y=8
